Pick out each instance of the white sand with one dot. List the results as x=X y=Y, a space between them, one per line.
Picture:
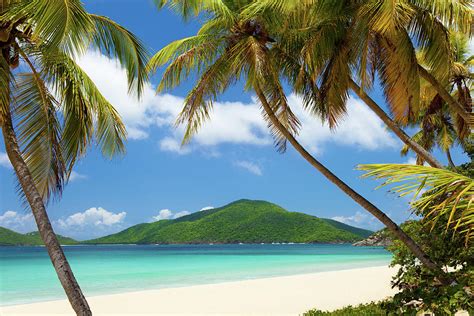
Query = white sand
x=290 y=295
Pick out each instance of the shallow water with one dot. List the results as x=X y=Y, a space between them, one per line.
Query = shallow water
x=26 y=274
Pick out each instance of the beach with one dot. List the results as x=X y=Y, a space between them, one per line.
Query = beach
x=286 y=295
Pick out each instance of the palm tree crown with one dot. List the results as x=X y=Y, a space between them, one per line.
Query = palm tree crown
x=56 y=108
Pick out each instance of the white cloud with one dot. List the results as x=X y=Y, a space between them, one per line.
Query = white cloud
x=411 y=161
x=93 y=217
x=163 y=214
x=22 y=223
x=4 y=161
x=359 y=219
x=93 y=222
x=168 y=214
x=206 y=208
x=173 y=145
x=181 y=214
x=360 y=128
x=76 y=176
x=231 y=122
x=249 y=166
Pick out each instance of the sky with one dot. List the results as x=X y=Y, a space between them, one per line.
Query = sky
x=232 y=157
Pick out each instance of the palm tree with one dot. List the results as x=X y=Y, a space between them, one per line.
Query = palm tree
x=340 y=44
x=51 y=112
x=229 y=48
x=439 y=126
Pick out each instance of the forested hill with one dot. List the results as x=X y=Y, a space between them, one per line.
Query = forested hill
x=243 y=221
x=10 y=238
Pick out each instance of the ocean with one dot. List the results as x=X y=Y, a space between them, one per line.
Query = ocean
x=26 y=273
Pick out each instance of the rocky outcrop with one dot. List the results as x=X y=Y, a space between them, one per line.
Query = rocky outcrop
x=380 y=238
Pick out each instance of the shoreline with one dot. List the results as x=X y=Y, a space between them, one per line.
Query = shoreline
x=281 y=295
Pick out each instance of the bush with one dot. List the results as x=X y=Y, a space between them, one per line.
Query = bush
x=419 y=288
x=371 y=309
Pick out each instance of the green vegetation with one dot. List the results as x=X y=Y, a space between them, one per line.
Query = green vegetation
x=421 y=285
x=243 y=221
x=10 y=238
x=372 y=309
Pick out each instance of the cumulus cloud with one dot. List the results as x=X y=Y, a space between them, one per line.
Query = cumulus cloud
x=163 y=214
x=168 y=214
x=22 y=223
x=93 y=222
x=249 y=166
x=95 y=216
x=206 y=208
x=4 y=161
x=76 y=176
x=232 y=122
x=359 y=219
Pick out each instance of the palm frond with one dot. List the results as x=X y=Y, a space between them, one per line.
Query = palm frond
x=398 y=71
x=199 y=102
x=186 y=8
x=446 y=193
x=62 y=24
x=175 y=49
x=432 y=37
x=115 y=41
x=195 y=59
x=39 y=133
x=87 y=114
x=455 y=14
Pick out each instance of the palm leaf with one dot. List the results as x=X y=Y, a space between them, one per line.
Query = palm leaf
x=39 y=133
x=116 y=41
x=62 y=24
x=87 y=114
x=446 y=193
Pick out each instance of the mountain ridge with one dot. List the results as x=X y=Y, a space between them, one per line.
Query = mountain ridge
x=241 y=221
x=9 y=237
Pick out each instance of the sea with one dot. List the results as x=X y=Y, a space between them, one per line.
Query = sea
x=27 y=275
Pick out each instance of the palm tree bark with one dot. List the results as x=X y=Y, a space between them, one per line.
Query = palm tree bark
x=372 y=209
x=56 y=254
x=427 y=156
x=452 y=103
x=450 y=159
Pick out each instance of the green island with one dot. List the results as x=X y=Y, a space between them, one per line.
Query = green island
x=242 y=221
x=11 y=238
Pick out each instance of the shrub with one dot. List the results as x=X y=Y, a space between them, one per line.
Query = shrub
x=371 y=309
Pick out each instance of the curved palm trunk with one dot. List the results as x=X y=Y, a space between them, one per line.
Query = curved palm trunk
x=56 y=254
x=372 y=209
x=452 y=103
x=450 y=159
x=428 y=157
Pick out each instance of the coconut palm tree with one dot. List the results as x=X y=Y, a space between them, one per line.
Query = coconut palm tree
x=344 y=45
x=438 y=125
x=50 y=110
x=229 y=48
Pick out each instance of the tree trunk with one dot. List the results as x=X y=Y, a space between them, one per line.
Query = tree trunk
x=56 y=254
x=372 y=209
x=428 y=157
x=452 y=103
x=450 y=159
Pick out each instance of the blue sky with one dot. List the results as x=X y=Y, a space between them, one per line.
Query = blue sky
x=231 y=158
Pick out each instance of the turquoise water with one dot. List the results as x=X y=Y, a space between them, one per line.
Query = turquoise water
x=26 y=274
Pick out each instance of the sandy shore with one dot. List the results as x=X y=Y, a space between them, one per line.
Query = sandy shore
x=289 y=295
